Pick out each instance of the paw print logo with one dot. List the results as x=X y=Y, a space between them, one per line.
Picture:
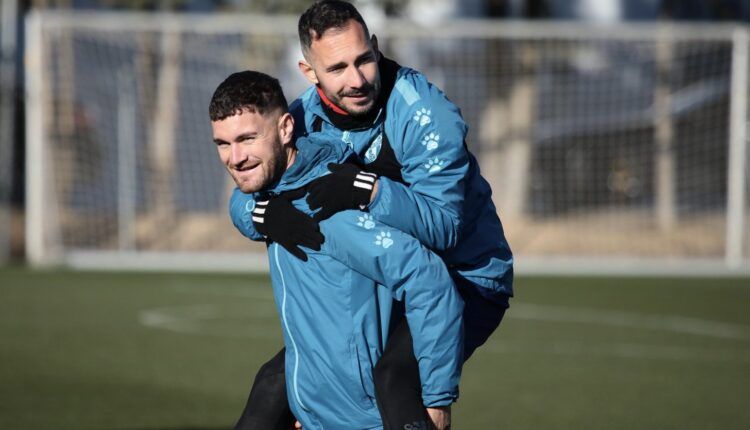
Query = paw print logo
x=431 y=141
x=422 y=116
x=434 y=164
x=384 y=239
x=365 y=221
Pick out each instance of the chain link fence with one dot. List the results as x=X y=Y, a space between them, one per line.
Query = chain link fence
x=606 y=148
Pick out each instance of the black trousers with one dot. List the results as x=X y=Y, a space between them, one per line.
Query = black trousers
x=267 y=407
x=398 y=390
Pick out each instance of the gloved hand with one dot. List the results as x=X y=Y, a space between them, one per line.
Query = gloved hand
x=347 y=187
x=278 y=220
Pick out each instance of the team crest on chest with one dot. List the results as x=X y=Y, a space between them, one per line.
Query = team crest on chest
x=374 y=149
x=346 y=137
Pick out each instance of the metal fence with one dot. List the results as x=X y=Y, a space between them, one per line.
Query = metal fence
x=609 y=150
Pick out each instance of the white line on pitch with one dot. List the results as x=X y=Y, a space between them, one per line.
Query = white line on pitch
x=191 y=319
x=677 y=324
x=226 y=290
x=616 y=350
x=672 y=323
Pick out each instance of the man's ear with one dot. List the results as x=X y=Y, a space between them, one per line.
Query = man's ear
x=286 y=128
x=308 y=71
x=374 y=43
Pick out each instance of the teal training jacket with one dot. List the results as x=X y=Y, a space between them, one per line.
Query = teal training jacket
x=336 y=307
x=447 y=204
x=442 y=200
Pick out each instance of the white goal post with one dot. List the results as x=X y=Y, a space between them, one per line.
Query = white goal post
x=618 y=150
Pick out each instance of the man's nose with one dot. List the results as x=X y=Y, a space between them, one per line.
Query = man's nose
x=236 y=155
x=356 y=79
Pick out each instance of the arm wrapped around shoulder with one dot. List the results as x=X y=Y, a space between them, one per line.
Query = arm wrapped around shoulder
x=346 y=187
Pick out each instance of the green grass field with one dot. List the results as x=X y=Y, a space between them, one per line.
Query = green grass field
x=167 y=351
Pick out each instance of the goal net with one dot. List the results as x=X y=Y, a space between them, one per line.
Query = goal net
x=608 y=150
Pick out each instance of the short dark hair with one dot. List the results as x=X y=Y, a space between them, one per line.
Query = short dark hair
x=250 y=90
x=324 y=15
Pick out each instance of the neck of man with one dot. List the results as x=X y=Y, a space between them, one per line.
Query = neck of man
x=291 y=155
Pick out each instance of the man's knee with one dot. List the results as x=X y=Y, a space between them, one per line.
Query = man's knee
x=482 y=317
x=399 y=370
x=272 y=367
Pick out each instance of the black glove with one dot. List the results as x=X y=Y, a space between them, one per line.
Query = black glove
x=347 y=187
x=278 y=220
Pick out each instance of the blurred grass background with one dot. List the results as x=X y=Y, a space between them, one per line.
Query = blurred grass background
x=96 y=350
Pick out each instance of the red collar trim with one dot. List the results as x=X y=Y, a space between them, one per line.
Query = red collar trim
x=329 y=103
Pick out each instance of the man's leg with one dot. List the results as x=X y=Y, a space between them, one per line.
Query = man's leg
x=398 y=388
x=267 y=406
x=482 y=315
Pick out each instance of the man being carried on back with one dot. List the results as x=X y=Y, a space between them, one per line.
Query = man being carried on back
x=428 y=185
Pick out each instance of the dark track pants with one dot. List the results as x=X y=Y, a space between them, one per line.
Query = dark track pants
x=267 y=407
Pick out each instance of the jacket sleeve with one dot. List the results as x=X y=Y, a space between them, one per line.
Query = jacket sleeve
x=241 y=207
x=416 y=276
x=427 y=133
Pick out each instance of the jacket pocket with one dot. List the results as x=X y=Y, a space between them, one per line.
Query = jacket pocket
x=362 y=373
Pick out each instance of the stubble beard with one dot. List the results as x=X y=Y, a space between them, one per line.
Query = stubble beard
x=270 y=173
x=357 y=110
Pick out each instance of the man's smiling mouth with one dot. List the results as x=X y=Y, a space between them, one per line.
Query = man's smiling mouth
x=246 y=168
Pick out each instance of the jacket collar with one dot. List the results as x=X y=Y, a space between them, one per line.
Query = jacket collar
x=311 y=161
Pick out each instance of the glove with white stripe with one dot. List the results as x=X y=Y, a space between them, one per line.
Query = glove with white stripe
x=278 y=220
x=347 y=187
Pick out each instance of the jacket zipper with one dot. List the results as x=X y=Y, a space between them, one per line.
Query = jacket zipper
x=288 y=331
